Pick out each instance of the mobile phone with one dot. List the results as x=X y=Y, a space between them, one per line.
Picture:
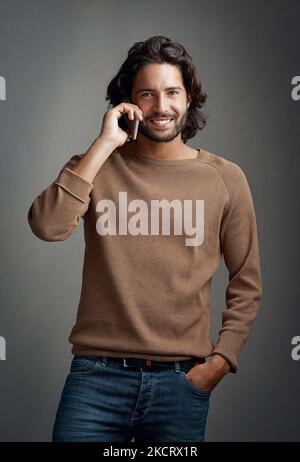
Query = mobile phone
x=133 y=126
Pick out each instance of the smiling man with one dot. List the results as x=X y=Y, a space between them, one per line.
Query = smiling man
x=159 y=91
x=158 y=217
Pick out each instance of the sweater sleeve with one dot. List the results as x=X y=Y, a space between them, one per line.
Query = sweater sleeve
x=240 y=248
x=55 y=212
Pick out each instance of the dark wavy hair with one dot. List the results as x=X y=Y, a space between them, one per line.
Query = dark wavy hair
x=160 y=49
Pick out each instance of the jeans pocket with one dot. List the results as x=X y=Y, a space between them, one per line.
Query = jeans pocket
x=84 y=365
x=203 y=393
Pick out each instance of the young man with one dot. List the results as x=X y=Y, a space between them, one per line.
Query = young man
x=158 y=215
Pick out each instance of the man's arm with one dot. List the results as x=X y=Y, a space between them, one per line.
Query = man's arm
x=55 y=212
x=240 y=248
x=239 y=242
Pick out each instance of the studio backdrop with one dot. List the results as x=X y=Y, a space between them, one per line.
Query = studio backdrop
x=56 y=59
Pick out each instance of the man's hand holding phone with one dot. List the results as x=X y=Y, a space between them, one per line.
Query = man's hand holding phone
x=111 y=132
x=111 y=136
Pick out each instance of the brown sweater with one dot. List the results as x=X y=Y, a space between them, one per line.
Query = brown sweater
x=155 y=231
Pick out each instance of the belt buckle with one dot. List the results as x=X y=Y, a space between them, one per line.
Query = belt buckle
x=148 y=363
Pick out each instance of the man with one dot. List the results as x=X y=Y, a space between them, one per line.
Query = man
x=158 y=215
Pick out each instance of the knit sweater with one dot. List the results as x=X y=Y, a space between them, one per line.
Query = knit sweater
x=155 y=231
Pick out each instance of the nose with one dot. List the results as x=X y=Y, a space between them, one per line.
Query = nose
x=160 y=104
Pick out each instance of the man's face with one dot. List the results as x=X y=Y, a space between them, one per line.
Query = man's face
x=158 y=90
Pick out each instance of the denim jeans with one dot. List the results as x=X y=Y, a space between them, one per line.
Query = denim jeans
x=104 y=401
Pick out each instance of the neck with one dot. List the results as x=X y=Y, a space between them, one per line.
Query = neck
x=166 y=150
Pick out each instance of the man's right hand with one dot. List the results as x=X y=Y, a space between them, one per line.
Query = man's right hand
x=111 y=132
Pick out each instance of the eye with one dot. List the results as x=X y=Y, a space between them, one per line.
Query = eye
x=174 y=92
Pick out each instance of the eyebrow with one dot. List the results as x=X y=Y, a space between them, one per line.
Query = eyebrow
x=151 y=89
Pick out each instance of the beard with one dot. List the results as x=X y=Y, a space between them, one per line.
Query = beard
x=163 y=136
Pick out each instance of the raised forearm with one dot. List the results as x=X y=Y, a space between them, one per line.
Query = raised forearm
x=93 y=159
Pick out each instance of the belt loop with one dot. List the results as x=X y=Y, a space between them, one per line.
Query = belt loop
x=177 y=366
x=103 y=361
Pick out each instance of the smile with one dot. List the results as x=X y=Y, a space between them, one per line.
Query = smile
x=161 y=123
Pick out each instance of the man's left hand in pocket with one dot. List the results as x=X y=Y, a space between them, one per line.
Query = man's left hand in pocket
x=206 y=376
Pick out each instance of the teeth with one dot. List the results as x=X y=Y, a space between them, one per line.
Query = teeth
x=162 y=122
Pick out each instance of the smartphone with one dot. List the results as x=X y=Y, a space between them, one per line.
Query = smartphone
x=133 y=126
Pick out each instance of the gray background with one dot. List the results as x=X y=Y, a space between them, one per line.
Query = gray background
x=57 y=58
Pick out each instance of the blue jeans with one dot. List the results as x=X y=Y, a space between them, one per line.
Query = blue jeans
x=106 y=402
